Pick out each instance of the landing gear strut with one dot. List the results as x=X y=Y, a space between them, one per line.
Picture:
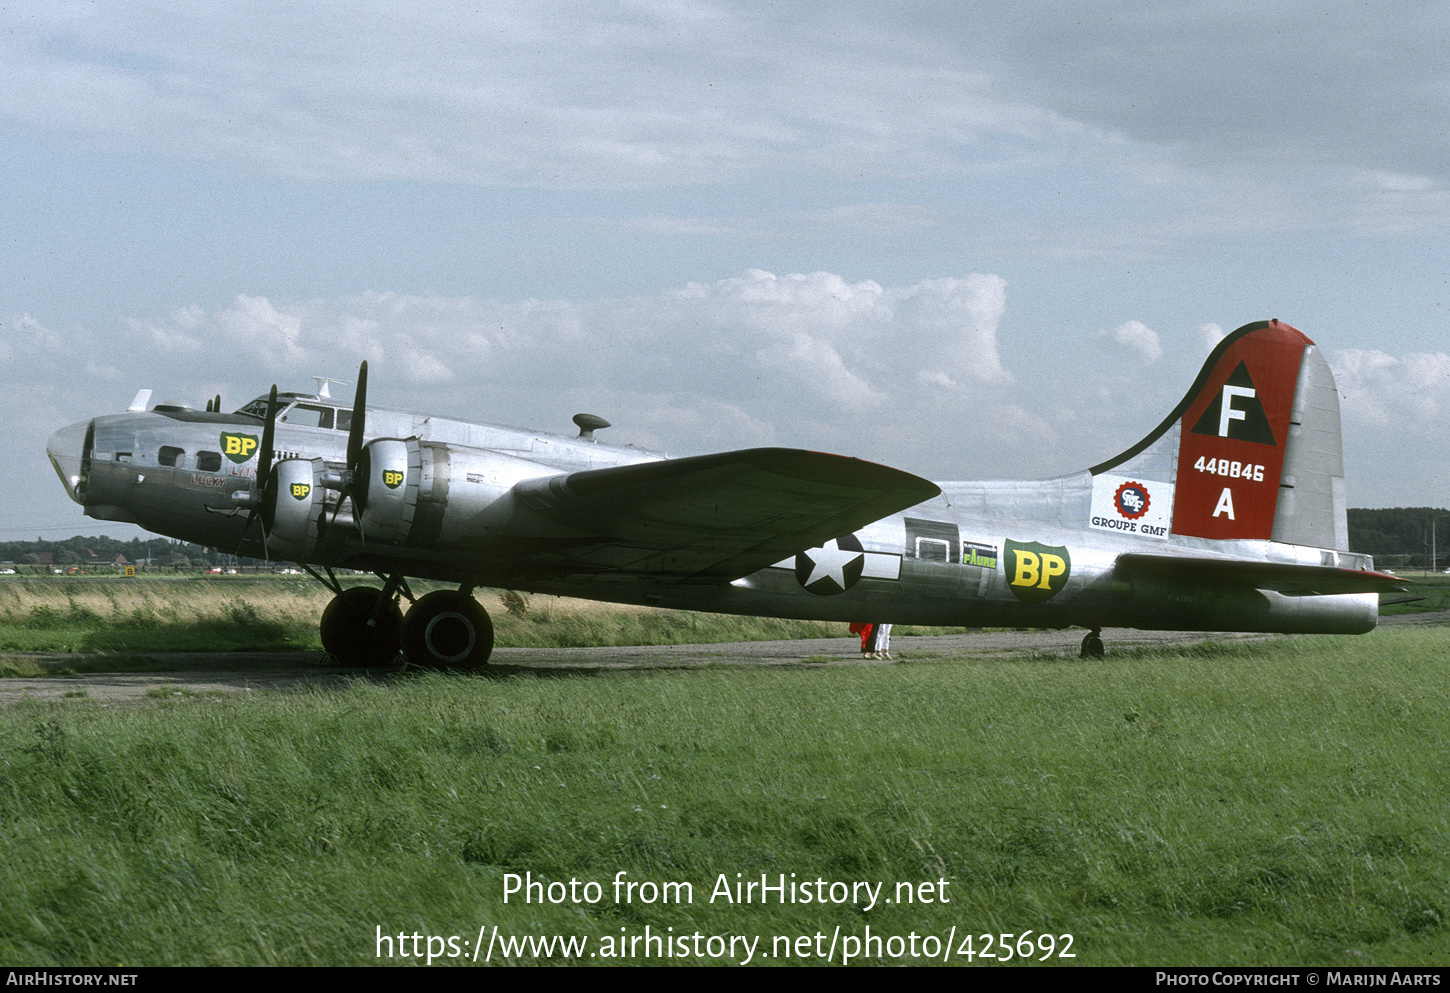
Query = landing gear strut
x=447 y=629
x=1092 y=645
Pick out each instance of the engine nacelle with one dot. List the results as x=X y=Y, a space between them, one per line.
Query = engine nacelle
x=416 y=492
x=292 y=508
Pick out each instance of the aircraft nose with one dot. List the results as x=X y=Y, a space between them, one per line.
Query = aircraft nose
x=66 y=449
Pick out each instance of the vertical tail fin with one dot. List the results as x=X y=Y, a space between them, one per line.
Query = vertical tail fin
x=1252 y=451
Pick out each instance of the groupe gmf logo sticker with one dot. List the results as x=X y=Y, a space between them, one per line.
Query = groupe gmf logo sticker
x=1131 y=506
x=238 y=447
x=1036 y=572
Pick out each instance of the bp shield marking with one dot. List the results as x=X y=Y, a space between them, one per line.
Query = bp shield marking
x=1036 y=572
x=392 y=478
x=300 y=490
x=238 y=447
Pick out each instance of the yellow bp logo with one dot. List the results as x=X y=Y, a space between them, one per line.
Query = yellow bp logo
x=300 y=490
x=1036 y=572
x=392 y=478
x=238 y=447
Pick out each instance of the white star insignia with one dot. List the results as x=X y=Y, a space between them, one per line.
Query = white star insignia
x=829 y=562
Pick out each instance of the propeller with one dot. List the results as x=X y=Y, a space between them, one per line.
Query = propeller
x=261 y=499
x=257 y=497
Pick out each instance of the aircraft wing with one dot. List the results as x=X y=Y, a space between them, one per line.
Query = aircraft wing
x=1288 y=578
x=711 y=517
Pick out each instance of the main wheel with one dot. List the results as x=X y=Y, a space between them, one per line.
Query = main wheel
x=352 y=635
x=447 y=630
x=1092 y=646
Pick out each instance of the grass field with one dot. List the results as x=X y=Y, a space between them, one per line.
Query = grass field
x=1276 y=802
x=275 y=613
x=218 y=616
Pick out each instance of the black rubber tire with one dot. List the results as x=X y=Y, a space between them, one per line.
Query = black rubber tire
x=346 y=635
x=447 y=630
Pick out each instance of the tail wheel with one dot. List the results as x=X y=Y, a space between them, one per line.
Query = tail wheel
x=447 y=630
x=352 y=635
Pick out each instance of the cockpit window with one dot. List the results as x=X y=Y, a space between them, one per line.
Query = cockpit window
x=170 y=456
x=307 y=415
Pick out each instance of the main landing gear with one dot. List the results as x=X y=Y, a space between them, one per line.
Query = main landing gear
x=447 y=629
x=1092 y=645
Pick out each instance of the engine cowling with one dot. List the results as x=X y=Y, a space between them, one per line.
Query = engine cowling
x=292 y=508
x=387 y=470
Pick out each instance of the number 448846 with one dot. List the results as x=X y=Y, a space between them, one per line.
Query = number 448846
x=1234 y=470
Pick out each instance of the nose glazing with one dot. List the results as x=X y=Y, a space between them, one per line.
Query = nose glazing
x=66 y=449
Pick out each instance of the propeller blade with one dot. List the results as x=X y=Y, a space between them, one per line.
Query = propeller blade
x=264 y=460
x=359 y=413
x=264 y=469
x=355 y=430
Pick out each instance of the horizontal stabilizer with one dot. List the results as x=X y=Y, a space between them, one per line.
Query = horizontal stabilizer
x=1288 y=578
x=711 y=516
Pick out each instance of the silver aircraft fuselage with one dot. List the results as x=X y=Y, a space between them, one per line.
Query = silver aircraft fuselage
x=1001 y=553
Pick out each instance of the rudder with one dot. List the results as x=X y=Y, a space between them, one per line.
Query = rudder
x=1253 y=450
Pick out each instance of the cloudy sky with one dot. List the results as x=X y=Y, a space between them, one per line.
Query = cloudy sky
x=970 y=240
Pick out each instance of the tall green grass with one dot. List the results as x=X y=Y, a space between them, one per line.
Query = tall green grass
x=160 y=616
x=273 y=615
x=1280 y=802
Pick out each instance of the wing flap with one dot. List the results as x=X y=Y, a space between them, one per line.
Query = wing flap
x=1291 y=579
x=716 y=517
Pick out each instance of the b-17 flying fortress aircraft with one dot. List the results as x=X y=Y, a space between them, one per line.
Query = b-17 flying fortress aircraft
x=1229 y=516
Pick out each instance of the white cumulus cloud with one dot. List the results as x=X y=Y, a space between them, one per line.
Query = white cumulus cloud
x=1138 y=338
x=807 y=356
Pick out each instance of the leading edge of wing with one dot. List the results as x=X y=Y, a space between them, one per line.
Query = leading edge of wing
x=718 y=516
x=1289 y=578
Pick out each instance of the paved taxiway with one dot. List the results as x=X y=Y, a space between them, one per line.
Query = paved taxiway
x=242 y=672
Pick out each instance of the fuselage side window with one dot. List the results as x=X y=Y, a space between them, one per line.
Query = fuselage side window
x=172 y=456
x=932 y=550
x=209 y=461
x=932 y=541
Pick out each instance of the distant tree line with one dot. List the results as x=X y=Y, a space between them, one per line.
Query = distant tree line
x=1401 y=536
x=160 y=553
